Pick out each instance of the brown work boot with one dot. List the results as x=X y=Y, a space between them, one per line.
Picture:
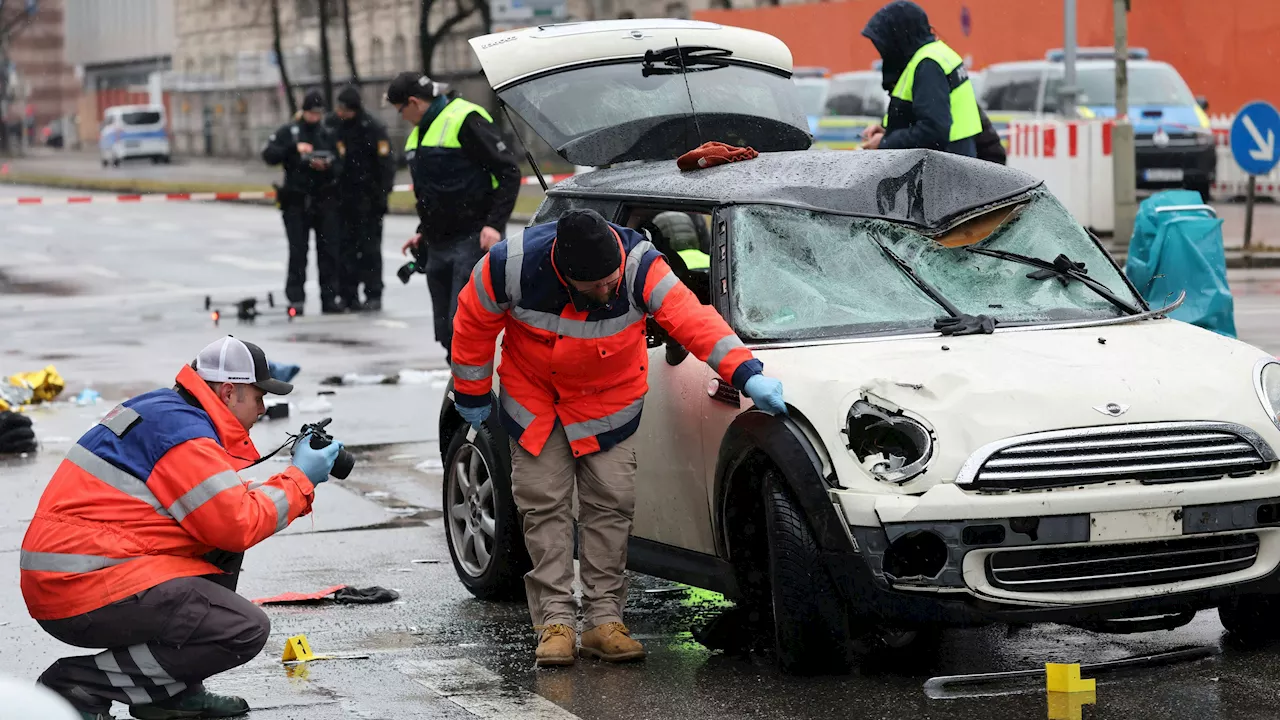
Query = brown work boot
x=556 y=646
x=611 y=642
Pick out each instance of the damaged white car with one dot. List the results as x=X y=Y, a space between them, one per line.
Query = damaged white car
x=987 y=423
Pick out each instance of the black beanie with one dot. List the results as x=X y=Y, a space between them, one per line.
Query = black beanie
x=586 y=248
x=313 y=101
x=350 y=99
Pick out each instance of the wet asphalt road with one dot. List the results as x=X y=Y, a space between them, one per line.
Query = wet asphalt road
x=113 y=297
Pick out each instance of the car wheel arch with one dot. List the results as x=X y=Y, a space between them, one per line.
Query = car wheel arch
x=789 y=444
x=451 y=421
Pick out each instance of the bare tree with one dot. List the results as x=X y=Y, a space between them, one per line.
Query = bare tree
x=325 y=68
x=459 y=12
x=351 y=48
x=10 y=26
x=276 y=45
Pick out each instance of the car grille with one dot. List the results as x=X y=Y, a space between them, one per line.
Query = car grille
x=1150 y=453
x=1109 y=567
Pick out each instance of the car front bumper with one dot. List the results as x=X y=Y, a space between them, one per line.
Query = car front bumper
x=1175 y=166
x=967 y=531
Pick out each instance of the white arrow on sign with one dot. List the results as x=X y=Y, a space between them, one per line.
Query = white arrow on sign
x=1266 y=151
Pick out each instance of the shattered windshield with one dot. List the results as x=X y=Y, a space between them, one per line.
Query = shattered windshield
x=800 y=274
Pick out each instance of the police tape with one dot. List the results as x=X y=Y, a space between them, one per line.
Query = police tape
x=199 y=197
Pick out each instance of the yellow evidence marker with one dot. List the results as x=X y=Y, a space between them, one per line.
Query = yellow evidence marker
x=1065 y=678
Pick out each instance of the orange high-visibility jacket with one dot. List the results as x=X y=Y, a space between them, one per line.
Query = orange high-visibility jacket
x=143 y=495
x=589 y=370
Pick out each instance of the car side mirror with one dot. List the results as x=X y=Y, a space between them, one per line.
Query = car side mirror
x=1203 y=102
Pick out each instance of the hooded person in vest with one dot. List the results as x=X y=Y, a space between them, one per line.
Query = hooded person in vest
x=572 y=298
x=931 y=101
x=136 y=543
x=465 y=180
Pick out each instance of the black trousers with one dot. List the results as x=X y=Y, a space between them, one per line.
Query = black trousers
x=449 y=265
x=159 y=642
x=361 y=246
x=300 y=219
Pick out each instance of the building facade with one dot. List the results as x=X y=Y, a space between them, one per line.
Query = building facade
x=42 y=87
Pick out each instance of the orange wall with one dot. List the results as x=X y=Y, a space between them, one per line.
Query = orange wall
x=1223 y=48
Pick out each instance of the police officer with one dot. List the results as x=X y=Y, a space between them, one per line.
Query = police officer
x=932 y=104
x=465 y=179
x=368 y=173
x=308 y=201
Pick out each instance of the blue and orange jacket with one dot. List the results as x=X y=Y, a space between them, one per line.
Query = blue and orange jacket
x=143 y=495
x=587 y=370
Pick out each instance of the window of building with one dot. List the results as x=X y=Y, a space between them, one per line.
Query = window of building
x=400 y=53
x=377 y=58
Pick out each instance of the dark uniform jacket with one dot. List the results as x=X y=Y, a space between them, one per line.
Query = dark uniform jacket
x=299 y=177
x=898 y=31
x=369 y=161
x=455 y=191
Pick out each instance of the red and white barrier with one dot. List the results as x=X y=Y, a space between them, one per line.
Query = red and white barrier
x=200 y=197
x=1073 y=157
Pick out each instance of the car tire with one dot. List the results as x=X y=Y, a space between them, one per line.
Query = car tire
x=474 y=457
x=1250 y=620
x=811 y=623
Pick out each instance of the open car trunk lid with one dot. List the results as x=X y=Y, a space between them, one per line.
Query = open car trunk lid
x=620 y=90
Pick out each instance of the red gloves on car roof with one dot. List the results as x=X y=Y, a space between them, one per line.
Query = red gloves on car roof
x=712 y=154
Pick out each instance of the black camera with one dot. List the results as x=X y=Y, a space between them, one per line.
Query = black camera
x=320 y=439
x=406 y=271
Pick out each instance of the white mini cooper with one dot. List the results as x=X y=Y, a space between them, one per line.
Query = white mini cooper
x=987 y=423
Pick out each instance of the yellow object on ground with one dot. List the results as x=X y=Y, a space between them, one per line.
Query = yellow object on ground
x=297 y=649
x=1069 y=706
x=45 y=385
x=1065 y=678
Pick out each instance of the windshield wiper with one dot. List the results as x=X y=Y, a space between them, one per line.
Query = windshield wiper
x=1062 y=268
x=683 y=59
x=957 y=322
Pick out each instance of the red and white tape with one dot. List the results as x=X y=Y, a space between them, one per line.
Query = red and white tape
x=199 y=197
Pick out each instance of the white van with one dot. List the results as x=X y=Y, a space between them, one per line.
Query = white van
x=134 y=131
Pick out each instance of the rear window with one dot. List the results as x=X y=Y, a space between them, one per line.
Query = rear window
x=611 y=113
x=143 y=117
x=855 y=96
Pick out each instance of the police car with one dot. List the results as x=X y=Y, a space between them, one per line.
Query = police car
x=987 y=423
x=133 y=131
x=1174 y=145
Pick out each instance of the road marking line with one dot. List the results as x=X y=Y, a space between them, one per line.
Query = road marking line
x=166 y=227
x=245 y=263
x=483 y=693
x=35 y=229
x=231 y=235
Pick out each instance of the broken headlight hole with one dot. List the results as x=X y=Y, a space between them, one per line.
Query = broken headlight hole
x=893 y=447
x=920 y=554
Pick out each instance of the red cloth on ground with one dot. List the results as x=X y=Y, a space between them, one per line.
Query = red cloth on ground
x=712 y=154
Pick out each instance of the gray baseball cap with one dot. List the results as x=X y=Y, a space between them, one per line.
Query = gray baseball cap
x=236 y=361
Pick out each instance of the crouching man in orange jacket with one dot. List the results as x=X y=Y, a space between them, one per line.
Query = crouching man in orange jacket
x=572 y=297
x=136 y=543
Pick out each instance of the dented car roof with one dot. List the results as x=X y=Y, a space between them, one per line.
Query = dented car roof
x=928 y=189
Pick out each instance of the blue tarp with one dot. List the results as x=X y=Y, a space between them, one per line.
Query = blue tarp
x=1179 y=250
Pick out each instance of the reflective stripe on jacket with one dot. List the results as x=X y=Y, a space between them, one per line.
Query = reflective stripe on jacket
x=965 y=120
x=142 y=496
x=587 y=370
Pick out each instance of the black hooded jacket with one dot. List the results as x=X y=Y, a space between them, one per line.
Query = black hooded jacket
x=898 y=30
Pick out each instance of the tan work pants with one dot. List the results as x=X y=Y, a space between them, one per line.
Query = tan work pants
x=543 y=490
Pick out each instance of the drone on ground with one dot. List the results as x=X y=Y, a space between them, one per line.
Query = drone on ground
x=246 y=309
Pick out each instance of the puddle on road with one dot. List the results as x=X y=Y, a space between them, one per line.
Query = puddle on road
x=326 y=339
x=14 y=285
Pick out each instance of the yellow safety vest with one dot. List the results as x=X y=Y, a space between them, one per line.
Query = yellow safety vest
x=965 y=120
x=443 y=131
x=695 y=259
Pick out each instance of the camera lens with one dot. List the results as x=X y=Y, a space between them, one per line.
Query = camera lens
x=343 y=466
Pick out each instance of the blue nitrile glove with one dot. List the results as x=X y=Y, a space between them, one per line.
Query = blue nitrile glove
x=766 y=392
x=282 y=372
x=315 y=464
x=474 y=415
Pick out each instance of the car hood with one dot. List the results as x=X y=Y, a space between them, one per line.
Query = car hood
x=975 y=390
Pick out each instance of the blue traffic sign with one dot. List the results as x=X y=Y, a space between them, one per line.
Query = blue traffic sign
x=1253 y=138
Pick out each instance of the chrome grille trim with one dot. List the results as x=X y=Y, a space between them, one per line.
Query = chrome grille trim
x=1122 y=566
x=1117 y=452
